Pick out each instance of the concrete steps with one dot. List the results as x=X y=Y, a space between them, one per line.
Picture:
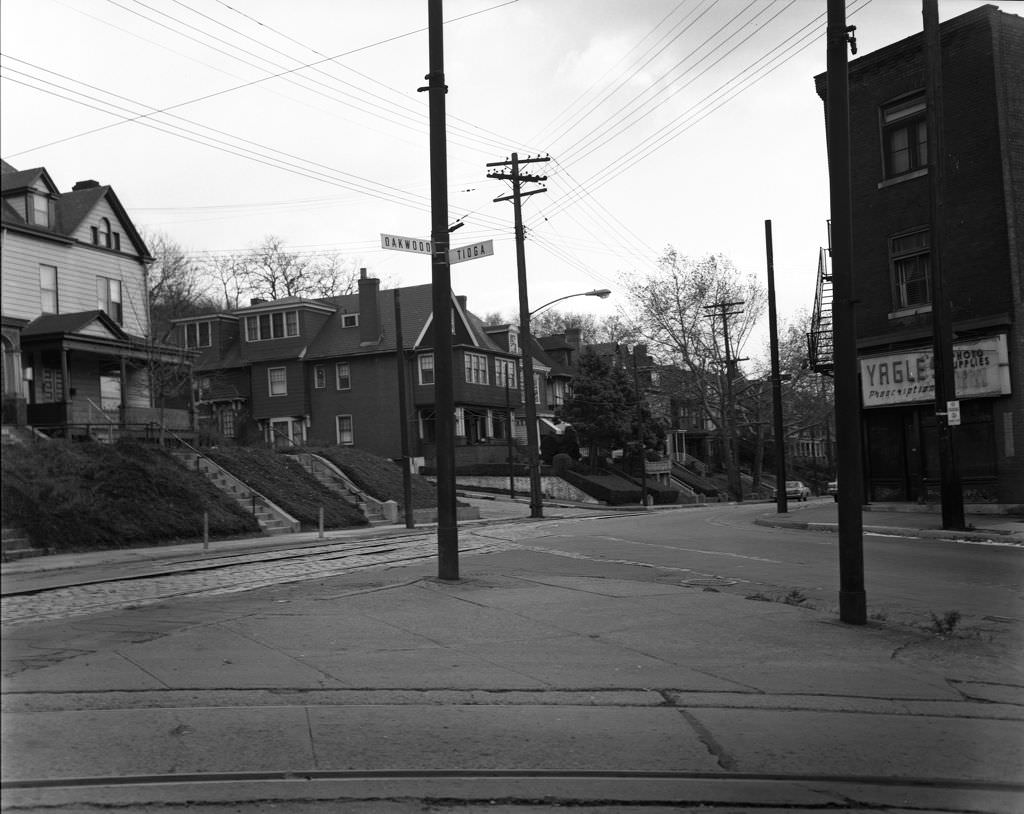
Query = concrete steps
x=15 y=544
x=334 y=479
x=271 y=518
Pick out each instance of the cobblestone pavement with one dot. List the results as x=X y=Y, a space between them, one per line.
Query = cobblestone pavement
x=227 y=575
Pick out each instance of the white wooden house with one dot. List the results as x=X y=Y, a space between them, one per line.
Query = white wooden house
x=77 y=355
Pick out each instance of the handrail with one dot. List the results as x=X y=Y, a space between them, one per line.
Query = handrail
x=94 y=406
x=337 y=472
x=252 y=492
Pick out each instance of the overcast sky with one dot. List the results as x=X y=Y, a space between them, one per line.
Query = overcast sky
x=684 y=123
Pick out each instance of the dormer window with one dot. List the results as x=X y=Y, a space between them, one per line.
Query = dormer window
x=513 y=342
x=275 y=325
x=40 y=210
x=197 y=335
x=350 y=320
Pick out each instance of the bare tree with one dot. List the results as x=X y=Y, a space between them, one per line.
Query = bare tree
x=697 y=315
x=177 y=285
x=271 y=272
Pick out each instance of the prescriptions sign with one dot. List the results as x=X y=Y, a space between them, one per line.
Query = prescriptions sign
x=981 y=368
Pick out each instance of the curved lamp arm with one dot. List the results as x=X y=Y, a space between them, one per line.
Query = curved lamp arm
x=598 y=292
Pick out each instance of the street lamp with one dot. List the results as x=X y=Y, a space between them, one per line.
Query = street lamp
x=597 y=292
x=530 y=393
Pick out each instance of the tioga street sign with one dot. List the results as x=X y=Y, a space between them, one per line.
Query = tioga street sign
x=484 y=248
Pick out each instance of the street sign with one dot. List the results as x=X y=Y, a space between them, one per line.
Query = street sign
x=484 y=248
x=953 y=413
x=405 y=244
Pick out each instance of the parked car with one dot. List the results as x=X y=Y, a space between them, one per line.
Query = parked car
x=833 y=489
x=797 y=490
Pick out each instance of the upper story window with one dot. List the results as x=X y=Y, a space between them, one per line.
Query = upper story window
x=108 y=298
x=277 y=381
x=350 y=320
x=905 y=136
x=476 y=368
x=41 y=206
x=505 y=373
x=513 y=342
x=48 y=289
x=343 y=376
x=319 y=377
x=197 y=335
x=274 y=325
x=426 y=366
x=908 y=256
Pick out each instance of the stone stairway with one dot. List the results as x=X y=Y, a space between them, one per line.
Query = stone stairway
x=271 y=518
x=15 y=544
x=375 y=511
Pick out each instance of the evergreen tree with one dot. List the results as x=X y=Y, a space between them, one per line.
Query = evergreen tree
x=602 y=407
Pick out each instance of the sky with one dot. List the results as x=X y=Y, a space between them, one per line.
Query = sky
x=674 y=123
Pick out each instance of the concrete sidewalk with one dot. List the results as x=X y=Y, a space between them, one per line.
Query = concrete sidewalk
x=534 y=680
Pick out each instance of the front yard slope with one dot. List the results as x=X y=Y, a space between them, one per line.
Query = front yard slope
x=76 y=497
x=284 y=481
x=379 y=477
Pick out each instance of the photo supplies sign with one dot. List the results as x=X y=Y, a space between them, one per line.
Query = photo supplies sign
x=981 y=368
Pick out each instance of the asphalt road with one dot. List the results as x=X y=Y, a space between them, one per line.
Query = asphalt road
x=906 y=579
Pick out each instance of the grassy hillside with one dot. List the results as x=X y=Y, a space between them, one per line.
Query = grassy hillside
x=379 y=477
x=290 y=486
x=74 y=497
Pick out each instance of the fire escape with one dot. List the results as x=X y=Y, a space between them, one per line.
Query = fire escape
x=820 y=348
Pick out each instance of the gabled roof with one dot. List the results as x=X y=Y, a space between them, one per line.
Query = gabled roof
x=12 y=180
x=71 y=208
x=77 y=323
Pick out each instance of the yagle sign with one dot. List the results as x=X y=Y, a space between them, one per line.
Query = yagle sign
x=981 y=368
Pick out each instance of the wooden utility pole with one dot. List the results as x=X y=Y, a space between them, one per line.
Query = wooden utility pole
x=722 y=309
x=773 y=340
x=403 y=416
x=444 y=400
x=532 y=441
x=942 y=326
x=852 y=600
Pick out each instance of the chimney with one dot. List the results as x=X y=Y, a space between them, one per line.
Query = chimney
x=572 y=338
x=369 y=309
x=85 y=185
x=256 y=301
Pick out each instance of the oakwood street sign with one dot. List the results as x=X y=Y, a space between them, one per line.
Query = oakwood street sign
x=484 y=248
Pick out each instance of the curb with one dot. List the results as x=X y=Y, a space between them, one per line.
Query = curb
x=949 y=535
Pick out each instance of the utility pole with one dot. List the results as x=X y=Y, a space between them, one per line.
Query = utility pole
x=532 y=442
x=444 y=400
x=403 y=415
x=722 y=309
x=640 y=432
x=782 y=506
x=942 y=325
x=852 y=599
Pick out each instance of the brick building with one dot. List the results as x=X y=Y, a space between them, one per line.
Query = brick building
x=297 y=371
x=982 y=258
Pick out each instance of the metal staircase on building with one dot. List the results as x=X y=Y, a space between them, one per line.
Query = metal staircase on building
x=820 y=344
x=272 y=519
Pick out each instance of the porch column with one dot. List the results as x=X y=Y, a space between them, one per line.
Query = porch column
x=65 y=376
x=123 y=410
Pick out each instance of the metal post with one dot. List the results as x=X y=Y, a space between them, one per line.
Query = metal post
x=640 y=431
x=508 y=433
x=444 y=400
x=942 y=326
x=206 y=531
x=320 y=523
x=773 y=337
x=852 y=599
